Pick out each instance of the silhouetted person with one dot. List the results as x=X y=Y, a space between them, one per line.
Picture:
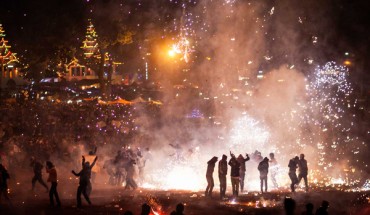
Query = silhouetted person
x=234 y=174
x=274 y=168
x=145 y=209
x=109 y=166
x=222 y=172
x=53 y=179
x=263 y=168
x=293 y=165
x=302 y=171
x=130 y=173
x=4 y=176
x=85 y=175
x=289 y=206
x=179 y=209
x=90 y=158
x=128 y=213
x=323 y=209
x=37 y=170
x=257 y=156
x=309 y=209
x=118 y=170
x=242 y=161
x=209 y=175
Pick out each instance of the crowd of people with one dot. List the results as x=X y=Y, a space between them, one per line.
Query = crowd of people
x=121 y=170
x=46 y=134
x=290 y=207
x=63 y=132
x=51 y=133
x=238 y=171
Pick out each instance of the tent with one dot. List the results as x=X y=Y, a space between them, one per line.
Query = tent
x=156 y=102
x=138 y=100
x=120 y=101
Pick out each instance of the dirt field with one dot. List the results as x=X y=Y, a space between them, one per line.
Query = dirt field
x=113 y=200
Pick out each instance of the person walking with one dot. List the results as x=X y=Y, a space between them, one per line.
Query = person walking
x=263 y=168
x=37 y=170
x=302 y=171
x=53 y=179
x=222 y=172
x=234 y=174
x=293 y=165
x=130 y=173
x=274 y=169
x=209 y=175
x=242 y=161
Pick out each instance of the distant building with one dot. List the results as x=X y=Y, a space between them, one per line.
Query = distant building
x=9 y=64
x=77 y=71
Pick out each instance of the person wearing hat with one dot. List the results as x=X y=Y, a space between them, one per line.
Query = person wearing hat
x=209 y=175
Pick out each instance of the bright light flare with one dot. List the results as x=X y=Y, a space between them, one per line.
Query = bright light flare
x=171 y=53
x=176 y=180
x=181 y=48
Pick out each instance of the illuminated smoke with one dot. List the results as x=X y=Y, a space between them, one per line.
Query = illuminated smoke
x=248 y=134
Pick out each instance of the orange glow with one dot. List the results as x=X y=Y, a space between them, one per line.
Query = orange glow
x=347 y=63
x=171 y=53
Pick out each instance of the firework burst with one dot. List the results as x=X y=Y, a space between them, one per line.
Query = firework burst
x=248 y=134
x=327 y=116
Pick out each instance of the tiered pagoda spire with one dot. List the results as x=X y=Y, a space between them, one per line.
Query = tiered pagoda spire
x=90 y=44
x=6 y=56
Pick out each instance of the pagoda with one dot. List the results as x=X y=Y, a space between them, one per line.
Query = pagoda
x=90 y=44
x=79 y=69
x=8 y=61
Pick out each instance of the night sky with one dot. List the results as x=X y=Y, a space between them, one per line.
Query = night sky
x=49 y=31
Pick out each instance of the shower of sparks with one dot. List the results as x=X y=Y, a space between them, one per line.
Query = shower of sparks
x=249 y=133
x=328 y=120
x=181 y=48
x=182 y=45
x=324 y=118
x=180 y=172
